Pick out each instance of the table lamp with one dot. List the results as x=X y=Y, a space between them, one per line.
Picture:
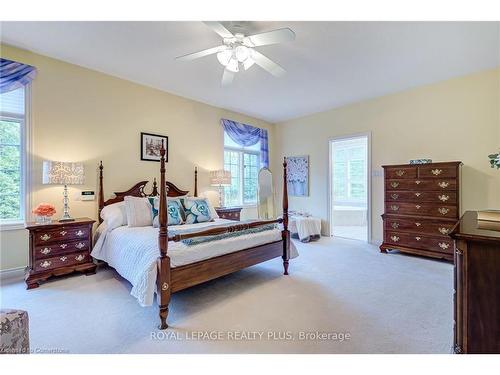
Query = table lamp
x=220 y=178
x=63 y=173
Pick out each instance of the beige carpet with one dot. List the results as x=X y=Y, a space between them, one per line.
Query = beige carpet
x=387 y=304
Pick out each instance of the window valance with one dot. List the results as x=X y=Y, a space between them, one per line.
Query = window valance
x=247 y=135
x=14 y=75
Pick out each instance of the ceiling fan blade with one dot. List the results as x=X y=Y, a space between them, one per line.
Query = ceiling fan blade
x=219 y=29
x=267 y=64
x=197 y=55
x=227 y=78
x=270 y=37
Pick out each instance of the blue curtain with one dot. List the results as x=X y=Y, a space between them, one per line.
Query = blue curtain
x=246 y=135
x=14 y=75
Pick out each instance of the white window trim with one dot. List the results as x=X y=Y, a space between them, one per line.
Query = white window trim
x=242 y=150
x=26 y=166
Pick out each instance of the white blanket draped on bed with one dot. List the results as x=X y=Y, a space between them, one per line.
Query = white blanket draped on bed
x=133 y=252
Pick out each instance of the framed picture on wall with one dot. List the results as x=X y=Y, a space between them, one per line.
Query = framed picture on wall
x=298 y=175
x=151 y=145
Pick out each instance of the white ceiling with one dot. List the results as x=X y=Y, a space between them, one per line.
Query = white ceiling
x=330 y=64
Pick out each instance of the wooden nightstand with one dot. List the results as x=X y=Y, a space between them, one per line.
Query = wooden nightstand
x=229 y=213
x=59 y=248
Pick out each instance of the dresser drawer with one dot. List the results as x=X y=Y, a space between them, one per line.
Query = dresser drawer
x=416 y=225
x=43 y=237
x=437 y=172
x=428 y=184
x=445 y=197
x=62 y=260
x=420 y=241
x=421 y=209
x=49 y=250
x=401 y=172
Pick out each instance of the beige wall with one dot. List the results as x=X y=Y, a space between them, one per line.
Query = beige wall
x=82 y=115
x=458 y=119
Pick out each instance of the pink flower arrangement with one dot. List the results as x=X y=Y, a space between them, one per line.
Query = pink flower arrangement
x=44 y=209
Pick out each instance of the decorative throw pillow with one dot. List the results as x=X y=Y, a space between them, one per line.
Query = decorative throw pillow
x=175 y=211
x=114 y=215
x=138 y=212
x=197 y=210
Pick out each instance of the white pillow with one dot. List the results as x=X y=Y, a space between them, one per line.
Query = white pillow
x=114 y=215
x=139 y=212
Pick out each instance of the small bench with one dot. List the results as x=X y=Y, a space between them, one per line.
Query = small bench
x=305 y=228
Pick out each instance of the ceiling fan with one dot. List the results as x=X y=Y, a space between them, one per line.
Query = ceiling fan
x=238 y=50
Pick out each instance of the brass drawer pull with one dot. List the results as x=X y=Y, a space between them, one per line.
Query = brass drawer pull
x=395 y=225
x=443 y=230
x=63 y=246
x=63 y=233
x=418 y=182
x=400 y=172
x=394 y=184
x=393 y=196
x=80 y=245
x=395 y=238
x=444 y=245
x=63 y=259
x=79 y=233
x=394 y=207
x=45 y=263
x=436 y=172
x=418 y=194
x=418 y=238
x=443 y=184
x=80 y=257
x=443 y=211
x=418 y=224
x=45 y=237
x=443 y=197
x=417 y=206
x=46 y=250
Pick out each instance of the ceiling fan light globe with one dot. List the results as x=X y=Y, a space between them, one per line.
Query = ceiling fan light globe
x=232 y=66
x=242 y=53
x=224 y=57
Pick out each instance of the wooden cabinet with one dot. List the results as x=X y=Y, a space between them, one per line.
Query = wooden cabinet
x=229 y=213
x=477 y=286
x=58 y=249
x=422 y=204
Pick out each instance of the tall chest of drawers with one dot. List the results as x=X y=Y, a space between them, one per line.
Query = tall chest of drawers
x=58 y=249
x=422 y=205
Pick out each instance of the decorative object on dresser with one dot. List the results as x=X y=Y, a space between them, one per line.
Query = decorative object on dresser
x=44 y=213
x=59 y=248
x=63 y=173
x=420 y=161
x=150 y=146
x=495 y=160
x=229 y=213
x=477 y=286
x=220 y=178
x=422 y=204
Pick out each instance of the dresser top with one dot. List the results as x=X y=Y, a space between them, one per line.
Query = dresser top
x=56 y=224
x=441 y=163
x=470 y=228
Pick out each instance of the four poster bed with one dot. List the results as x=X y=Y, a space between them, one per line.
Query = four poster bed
x=168 y=277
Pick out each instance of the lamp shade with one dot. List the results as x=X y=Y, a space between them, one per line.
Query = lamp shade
x=63 y=173
x=220 y=178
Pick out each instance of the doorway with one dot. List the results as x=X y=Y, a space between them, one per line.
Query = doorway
x=350 y=187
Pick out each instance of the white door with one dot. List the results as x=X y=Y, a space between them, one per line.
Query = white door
x=349 y=187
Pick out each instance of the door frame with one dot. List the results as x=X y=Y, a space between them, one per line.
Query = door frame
x=368 y=135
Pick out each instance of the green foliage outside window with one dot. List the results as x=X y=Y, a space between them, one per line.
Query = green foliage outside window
x=10 y=169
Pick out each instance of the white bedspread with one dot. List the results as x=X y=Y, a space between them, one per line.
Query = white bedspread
x=133 y=252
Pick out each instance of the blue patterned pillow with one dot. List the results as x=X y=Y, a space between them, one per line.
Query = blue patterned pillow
x=197 y=210
x=175 y=211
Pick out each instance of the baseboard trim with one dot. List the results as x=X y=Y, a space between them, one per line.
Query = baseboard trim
x=12 y=273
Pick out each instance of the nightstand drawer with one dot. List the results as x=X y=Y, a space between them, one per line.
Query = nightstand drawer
x=50 y=250
x=63 y=233
x=62 y=260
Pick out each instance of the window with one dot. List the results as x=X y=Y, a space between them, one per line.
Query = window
x=244 y=165
x=12 y=156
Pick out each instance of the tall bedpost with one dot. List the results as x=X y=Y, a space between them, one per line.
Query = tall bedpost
x=101 y=192
x=285 y=233
x=163 y=263
x=195 y=181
